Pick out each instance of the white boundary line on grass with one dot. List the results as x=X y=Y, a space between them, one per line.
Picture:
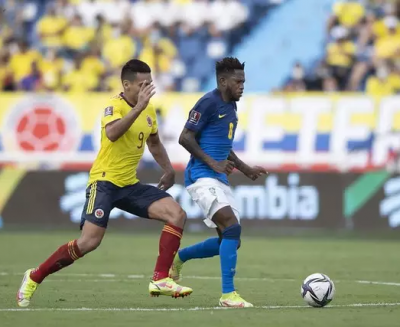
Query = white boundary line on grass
x=105 y=276
x=354 y=305
x=114 y=278
x=378 y=283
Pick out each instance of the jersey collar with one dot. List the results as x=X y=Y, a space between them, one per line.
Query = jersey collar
x=123 y=97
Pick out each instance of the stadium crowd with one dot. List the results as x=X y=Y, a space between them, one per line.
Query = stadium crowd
x=80 y=45
x=362 y=51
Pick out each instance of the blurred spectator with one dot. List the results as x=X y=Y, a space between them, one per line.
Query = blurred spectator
x=388 y=44
x=21 y=61
x=340 y=55
x=120 y=47
x=77 y=36
x=78 y=80
x=6 y=80
x=363 y=49
x=51 y=68
x=347 y=13
x=159 y=52
x=103 y=30
x=92 y=63
x=32 y=81
x=51 y=28
x=315 y=81
x=180 y=39
x=329 y=84
x=296 y=82
x=382 y=83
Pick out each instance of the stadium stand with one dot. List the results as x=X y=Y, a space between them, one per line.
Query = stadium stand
x=362 y=51
x=80 y=45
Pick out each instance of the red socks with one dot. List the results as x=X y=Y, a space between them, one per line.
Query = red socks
x=170 y=241
x=63 y=257
x=66 y=254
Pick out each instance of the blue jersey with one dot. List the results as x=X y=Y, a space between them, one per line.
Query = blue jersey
x=214 y=122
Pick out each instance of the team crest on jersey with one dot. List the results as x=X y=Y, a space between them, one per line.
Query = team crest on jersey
x=108 y=111
x=99 y=213
x=194 y=117
x=149 y=121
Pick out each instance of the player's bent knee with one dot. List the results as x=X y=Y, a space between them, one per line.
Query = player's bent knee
x=176 y=216
x=233 y=232
x=224 y=218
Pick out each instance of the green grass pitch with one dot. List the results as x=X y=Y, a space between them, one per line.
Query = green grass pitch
x=111 y=283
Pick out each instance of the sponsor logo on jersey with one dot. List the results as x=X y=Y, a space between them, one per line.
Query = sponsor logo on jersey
x=109 y=111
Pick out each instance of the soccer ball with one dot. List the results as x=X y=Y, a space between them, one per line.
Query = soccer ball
x=317 y=290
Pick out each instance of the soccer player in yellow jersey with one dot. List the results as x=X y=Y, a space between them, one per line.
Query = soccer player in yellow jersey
x=128 y=124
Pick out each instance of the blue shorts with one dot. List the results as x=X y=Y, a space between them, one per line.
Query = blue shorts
x=103 y=196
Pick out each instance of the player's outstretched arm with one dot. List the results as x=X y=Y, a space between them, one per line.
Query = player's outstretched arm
x=117 y=128
x=188 y=141
x=251 y=172
x=160 y=155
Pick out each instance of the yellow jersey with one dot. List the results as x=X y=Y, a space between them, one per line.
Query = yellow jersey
x=80 y=81
x=50 y=27
x=117 y=161
x=340 y=54
x=119 y=50
x=349 y=13
x=387 y=46
x=21 y=63
x=379 y=88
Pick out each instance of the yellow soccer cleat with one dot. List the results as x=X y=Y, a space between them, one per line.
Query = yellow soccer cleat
x=26 y=290
x=233 y=300
x=176 y=270
x=168 y=287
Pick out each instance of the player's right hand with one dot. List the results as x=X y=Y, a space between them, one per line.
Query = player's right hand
x=223 y=167
x=145 y=94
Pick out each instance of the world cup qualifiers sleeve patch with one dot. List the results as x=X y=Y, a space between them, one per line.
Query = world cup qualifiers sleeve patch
x=109 y=111
x=194 y=117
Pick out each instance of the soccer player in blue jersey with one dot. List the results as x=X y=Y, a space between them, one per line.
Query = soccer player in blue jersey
x=208 y=136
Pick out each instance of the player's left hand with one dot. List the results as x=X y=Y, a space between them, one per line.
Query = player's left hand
x=254 y=172
x=167 y=181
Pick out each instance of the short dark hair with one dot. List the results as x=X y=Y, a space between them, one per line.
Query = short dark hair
x=132 y=67
x=228 y=65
